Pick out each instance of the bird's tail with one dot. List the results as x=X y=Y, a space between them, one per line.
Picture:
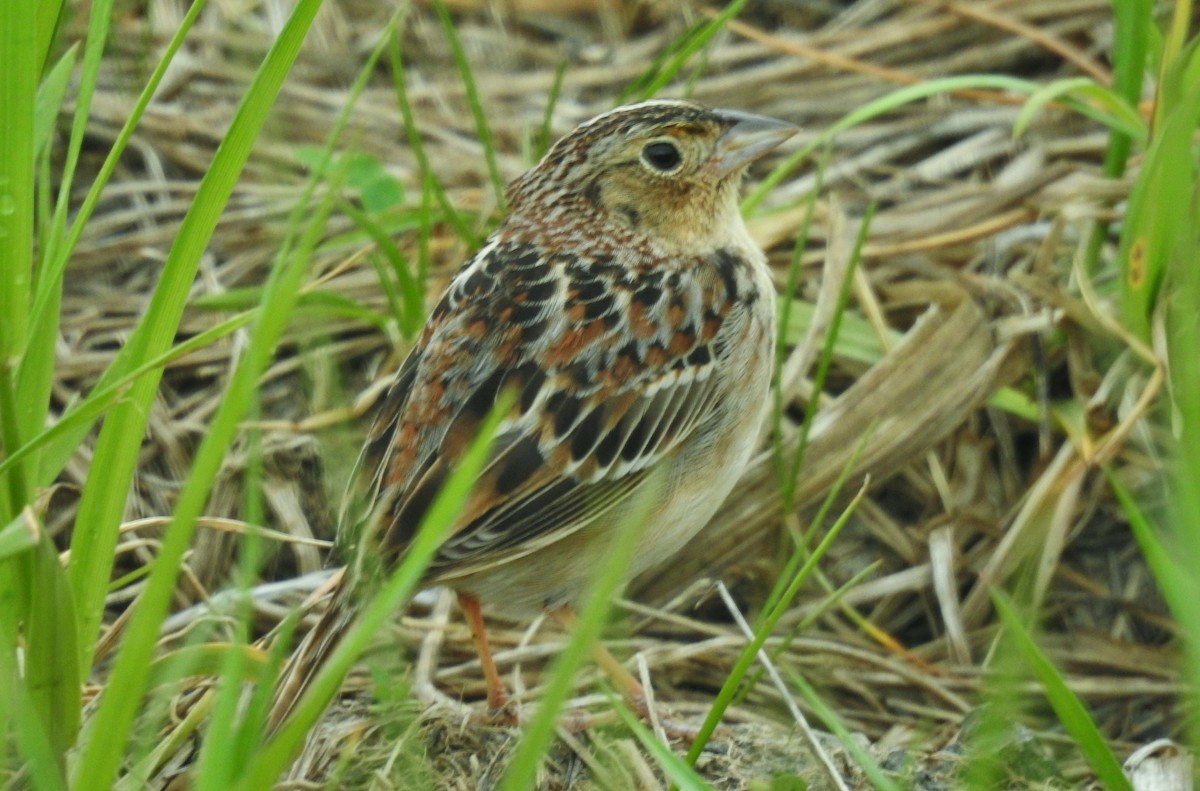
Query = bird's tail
x=314 y=650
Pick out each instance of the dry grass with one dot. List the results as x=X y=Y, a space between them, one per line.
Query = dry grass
x=969 y=257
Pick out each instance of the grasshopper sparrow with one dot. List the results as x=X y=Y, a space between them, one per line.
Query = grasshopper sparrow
x=625 y=304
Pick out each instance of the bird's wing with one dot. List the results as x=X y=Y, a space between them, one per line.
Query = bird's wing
x=611 y=369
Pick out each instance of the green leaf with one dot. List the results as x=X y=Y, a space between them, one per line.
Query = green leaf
x=311 y=157
x=482 y=129
x=875 y=774
x=1120 y=115
x=31 y=732
x=678 y=771
x=886 y=104
x=777 y=609
x=682 y=50
x=1069 y=709
x=17 y=53
x=381 y=193
x=207 y=659
x=19 y=536
x=274 y=757
x=50 y=97
x=604 y=589
x=429 y=180
x=377 y=189
x=120 y=439
x=319 y=303
x=1154 y=236
x=52 y=672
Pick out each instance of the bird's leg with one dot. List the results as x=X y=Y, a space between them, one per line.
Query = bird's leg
x=630 y=687
x=497 y=695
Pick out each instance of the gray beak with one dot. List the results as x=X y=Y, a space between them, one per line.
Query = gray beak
x=746 y=138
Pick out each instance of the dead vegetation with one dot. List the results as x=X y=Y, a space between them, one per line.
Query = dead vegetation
x=967 y=278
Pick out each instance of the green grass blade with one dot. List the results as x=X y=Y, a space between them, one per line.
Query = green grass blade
x=800 y=553
x=18 y=711
x=678 y=771
x=35 y=375
x=1133 y=25
x=14 y=488
x=1159 y=218
x=788 y=316
x=207 y=659
x=830 y=720
x=857 y=342
x=230 y=740
x=544 y=140
x=1172 y=568
x=473 y=101
x=19 y=536
x=313 y=304
x=893 y=101
x=1070 y=710
x=215 y=769
x=53 y=266
x=1173 y=44
x=18 y=53
x=117 y=448
x=52 y=672
x=17 y=95
x=417 y=147
x=763 y=631
x=605 y=587
x=408 y=304
x=689 y=45
x=60 y=439
x=633 y=91
x=116 y=451
x=99 y=19
x=825 y=361
x=1123 y=117
x=50 y=96
x=46 y=685
x=50 y=17
x=1181 y=298
x=277 y=753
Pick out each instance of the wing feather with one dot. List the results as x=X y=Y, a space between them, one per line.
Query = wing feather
x=613 y=371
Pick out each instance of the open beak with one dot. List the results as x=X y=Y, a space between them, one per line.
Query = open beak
x=746 y=138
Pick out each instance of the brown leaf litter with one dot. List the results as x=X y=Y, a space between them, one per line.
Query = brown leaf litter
x=967 y=285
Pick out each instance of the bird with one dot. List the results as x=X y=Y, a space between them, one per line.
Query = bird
x=626 y=309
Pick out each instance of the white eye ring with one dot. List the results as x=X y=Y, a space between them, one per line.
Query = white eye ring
x=662 y=156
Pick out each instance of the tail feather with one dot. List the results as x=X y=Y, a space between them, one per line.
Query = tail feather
x=314 y=650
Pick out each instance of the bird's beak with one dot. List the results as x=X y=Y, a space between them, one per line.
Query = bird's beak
x=746 y=138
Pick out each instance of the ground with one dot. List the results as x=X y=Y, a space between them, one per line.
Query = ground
x=974 y=386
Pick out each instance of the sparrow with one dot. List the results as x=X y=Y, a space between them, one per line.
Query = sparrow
x=625 y=306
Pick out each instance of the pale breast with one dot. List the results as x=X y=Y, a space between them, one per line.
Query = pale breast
x=710 y=463
x=695 y=477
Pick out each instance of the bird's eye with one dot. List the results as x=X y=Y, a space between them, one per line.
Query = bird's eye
x=662 y=156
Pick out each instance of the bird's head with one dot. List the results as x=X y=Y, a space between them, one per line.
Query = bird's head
x=668 y=170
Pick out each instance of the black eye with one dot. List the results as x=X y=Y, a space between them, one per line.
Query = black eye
x=662 y=156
